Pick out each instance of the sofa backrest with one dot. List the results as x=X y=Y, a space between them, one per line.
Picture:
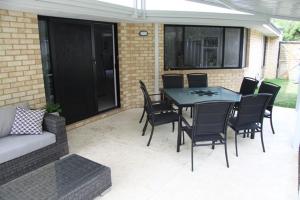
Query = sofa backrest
x=7 y=116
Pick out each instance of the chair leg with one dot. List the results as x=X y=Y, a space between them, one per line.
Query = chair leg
x=192 y=156
x=252 y=136
x=191 y=112
x=150 y=138
x=213 y=145
x=173 y=126
x=226 y=156
x=271 y=122
x=262 y=141
x=245 y=133
x=145 y=127
x=183 y=138
x=142 y=116
x=236 y=148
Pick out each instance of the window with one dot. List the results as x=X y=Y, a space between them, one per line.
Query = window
x=202 y=47
x=46 y=63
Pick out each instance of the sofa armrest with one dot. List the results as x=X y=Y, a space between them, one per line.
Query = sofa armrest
x=56 y=125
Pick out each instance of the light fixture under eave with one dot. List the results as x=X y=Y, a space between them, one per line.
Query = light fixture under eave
x=143 y=33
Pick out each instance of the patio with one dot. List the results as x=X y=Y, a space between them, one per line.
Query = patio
x=159 y=172
x=75 y=76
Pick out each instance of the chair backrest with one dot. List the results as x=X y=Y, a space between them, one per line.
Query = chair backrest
x=251 y=109
x=211 y=117
x=172 y=81
x=248 y=86
x=270 y=88
x=147 y=99
x=142 y=84
x=197 y=80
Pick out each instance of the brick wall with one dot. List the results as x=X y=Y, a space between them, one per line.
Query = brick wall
x=270 y=69
x=255 y=54
x=21 y=78
x=136 y=62
x=289 y=60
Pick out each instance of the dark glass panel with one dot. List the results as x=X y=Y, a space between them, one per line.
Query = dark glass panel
x=173 y=46
x=232 y=49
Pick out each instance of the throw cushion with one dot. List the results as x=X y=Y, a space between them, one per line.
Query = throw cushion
x=27 y=122
x=7 y=116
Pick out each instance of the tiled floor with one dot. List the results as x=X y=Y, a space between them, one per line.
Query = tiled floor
x=158 y=172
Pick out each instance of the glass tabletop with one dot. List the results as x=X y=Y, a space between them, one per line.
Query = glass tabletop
x=189 y=96
x=53 y=181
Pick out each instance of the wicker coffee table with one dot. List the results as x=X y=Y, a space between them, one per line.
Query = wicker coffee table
x=73 y=177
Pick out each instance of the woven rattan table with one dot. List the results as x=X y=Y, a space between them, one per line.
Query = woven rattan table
x=73 y=177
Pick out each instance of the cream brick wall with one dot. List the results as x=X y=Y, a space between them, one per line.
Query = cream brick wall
x=21 y=77
x=136 y=62
x=255 y=54
x=272 y=57
x=255 y=66
x=289 y=60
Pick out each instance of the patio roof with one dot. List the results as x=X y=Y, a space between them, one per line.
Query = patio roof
x=154 y=11
x=286 y=9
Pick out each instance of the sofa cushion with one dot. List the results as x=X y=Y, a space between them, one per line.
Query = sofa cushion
x=28 y=122
x=7 y=116
x=14 y=146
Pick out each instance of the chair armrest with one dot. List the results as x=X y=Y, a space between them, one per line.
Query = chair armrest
x=56 y=125
x=154 y=94
x=185 y=122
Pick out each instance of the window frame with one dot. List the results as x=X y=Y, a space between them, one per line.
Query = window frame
x=265 y=41
x=243 y=43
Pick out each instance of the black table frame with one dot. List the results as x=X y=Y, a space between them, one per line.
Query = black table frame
x=180 y=107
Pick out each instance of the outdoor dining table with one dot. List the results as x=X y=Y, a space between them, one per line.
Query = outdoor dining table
x=187 y=97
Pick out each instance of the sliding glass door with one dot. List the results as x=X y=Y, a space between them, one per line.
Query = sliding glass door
x=105 y=66
x=83 y=59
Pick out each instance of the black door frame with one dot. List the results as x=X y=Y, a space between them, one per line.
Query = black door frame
x=91 y=23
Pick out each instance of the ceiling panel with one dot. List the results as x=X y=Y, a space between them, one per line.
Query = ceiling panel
x=288 y=9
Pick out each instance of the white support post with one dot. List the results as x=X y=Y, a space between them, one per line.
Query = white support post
x=296 y=138
x=156 y=58
x=135 y=6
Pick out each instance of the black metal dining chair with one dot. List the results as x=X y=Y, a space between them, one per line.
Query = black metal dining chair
x=248 y=86
x=270 y=88
x=209 y=126
x=158 y=105
x=173 y=81
x=196 y=80
x=250 y=115
x=155 y=118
